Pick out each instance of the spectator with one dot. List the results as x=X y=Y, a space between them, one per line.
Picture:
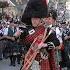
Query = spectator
x=65 y=52
x=1 y=42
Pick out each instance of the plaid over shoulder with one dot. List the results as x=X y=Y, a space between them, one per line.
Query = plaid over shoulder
x=29 y=38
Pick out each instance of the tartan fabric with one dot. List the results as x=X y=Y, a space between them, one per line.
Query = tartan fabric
x=38 y=57
x=29 y=38
x=32 y=52
x=45 y=64
x=52 y=60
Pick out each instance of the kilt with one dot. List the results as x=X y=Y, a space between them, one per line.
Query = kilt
x=4 y=45
x=44 y=64
x=52 y=60
x=12 y=48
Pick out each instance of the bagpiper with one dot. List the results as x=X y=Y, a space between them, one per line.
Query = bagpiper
x=41 y=36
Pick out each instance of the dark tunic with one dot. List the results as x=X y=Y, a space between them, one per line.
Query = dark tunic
x=51 y=52
x=52 y=38
x=30 y=38
x=27 y=38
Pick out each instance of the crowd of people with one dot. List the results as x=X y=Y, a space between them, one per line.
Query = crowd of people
x=9 y=47
x=38 y=27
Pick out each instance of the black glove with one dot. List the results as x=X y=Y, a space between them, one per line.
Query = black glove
x=50 y=45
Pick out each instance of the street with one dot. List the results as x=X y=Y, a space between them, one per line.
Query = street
x=4 y=65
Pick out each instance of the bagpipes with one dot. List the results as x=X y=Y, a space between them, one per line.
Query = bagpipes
x=39 y=39
x=34 y=49
x=32 y=52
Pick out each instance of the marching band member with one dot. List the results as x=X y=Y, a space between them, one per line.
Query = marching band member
x=65 y=53
x=35 y=14
x=35 y=10
x=55 y=37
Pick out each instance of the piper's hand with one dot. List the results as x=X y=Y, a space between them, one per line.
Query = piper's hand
x=50 y=45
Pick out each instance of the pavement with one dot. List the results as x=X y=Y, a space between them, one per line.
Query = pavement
x=4 y=65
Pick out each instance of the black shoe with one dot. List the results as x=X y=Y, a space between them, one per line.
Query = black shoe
x=14 y=65
x=0 y=58
x=18 y=62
